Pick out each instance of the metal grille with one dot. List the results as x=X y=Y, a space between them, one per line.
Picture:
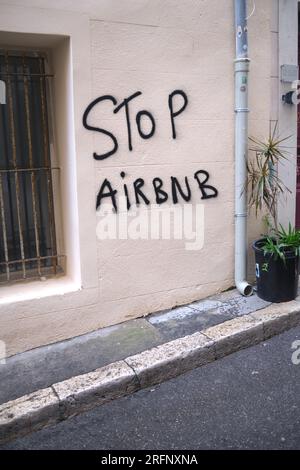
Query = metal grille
x=28 y=247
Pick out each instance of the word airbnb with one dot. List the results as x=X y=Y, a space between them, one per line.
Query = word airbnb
x=140 y=194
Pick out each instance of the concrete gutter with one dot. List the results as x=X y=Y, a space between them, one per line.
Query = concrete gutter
x=83 y=392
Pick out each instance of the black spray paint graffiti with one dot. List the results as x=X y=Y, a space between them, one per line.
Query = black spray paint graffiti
x=161 y=195
x=141 y=114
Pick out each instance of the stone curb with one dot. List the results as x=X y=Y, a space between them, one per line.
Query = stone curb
x=81 y=393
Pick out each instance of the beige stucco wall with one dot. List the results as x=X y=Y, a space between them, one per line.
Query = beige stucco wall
x=120 y=47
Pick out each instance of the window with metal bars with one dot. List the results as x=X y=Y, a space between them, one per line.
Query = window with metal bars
x=28 y=247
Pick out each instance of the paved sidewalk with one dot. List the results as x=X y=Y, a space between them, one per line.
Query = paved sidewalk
x=24 y=373
x=248 y=400
x=180 y=340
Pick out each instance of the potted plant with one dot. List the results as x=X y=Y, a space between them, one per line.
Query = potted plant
x=277 y=252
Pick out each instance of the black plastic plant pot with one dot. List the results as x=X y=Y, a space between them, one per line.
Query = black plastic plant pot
x=277 y=281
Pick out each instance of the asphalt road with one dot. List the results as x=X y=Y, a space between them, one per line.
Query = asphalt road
x=249 y=400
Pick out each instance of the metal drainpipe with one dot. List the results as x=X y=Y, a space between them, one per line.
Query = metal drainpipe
x=241 y=147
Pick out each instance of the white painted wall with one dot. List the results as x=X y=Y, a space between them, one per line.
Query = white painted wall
x=118 y=48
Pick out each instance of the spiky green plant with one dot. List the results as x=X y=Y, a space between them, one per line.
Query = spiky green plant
x=264 y=188
x=289 y=239
x=281 y=242
x=264 y=185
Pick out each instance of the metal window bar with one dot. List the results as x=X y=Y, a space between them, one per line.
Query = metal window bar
x=28 y=247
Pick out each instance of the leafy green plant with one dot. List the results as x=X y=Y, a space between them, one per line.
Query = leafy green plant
x=282 y=241
x=289 y=239
x=272 y=247
x=264 y=188
x=264 y=185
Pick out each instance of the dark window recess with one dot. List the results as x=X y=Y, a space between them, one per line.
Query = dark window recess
x=28 y=246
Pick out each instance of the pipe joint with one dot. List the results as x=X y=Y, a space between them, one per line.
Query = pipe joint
x=242 y=59
x=242 y=110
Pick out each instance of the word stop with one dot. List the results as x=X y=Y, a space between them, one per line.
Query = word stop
x=140 y=117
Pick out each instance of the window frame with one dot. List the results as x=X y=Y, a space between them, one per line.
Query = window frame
x=53 y=272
